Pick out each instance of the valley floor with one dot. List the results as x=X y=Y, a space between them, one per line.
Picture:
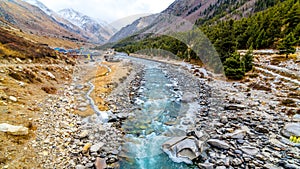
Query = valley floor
x=247 y=123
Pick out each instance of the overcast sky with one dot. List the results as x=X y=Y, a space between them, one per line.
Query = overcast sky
x=110 y=10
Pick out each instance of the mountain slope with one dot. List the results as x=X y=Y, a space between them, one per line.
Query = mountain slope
x=17 y=45
x=133 y=28
x=41 y=6
x=36 y=21
x=181 y=15
x=64 y=22
x=276 y=26
x=100 y=30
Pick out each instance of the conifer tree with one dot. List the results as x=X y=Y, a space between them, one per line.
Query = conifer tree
x=286 y=45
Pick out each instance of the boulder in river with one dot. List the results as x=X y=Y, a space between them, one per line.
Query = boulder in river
x=183 y=149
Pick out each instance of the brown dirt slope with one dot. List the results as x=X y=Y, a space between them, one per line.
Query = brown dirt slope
x=29 y=71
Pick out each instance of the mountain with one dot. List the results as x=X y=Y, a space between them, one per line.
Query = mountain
x=268 y=26
x=15 y=45
x=91 y=37
x=182 y=15
x=101 y=30
x=41 y=6
x=131 y=29
x=179 y=16
x=33 y=20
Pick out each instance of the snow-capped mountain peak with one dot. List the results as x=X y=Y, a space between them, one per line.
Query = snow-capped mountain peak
x=76 y=17
x=87 y=23
x=41 y=6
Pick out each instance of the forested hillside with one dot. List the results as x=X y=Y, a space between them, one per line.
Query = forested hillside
x=277 y=26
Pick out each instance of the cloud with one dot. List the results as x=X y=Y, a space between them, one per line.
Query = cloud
x=110 y=10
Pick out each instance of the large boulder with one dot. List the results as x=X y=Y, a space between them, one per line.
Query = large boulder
x=183 y=149
x=291 y=129
x=13 y=130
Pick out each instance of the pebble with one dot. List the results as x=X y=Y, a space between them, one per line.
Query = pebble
x=86 y=147
x=238 y=152
x=236 y=162
x=224 y=119
x=206 y=165
x=80 y=167
x=12 y=98
x=100 y=163
x=218 y=143
x=221 y=167
x=96 y=147
x=84 y=134
x=14 y=130
x=238 y=134
x=250 y=150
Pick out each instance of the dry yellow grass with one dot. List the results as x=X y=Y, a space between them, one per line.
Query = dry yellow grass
x=8 y=52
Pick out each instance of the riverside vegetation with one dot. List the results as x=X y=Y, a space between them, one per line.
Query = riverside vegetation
x=275 y=25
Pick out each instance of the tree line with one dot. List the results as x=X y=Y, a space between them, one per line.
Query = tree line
x=277 y=27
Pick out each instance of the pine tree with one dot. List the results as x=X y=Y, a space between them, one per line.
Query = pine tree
x=234 y=67
x=286 y=45
x=248 y=59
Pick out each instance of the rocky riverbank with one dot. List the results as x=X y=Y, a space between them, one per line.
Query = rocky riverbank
x=240 y=127
x=225 y=125
x=67 y=140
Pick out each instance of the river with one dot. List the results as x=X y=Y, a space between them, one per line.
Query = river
x=156 y=117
